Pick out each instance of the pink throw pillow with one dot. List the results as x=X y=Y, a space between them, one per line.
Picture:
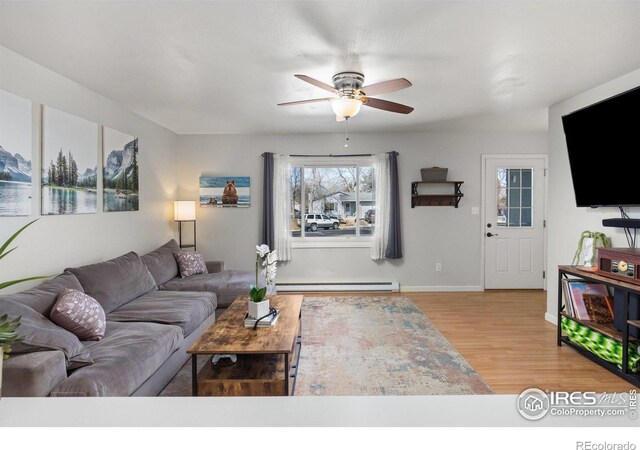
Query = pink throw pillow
x=190 y=263
x=79 y=314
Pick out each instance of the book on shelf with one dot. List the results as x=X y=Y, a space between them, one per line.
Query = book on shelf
x=265 y=322
x=568 y=304
x=599 y=308
x=577 y=289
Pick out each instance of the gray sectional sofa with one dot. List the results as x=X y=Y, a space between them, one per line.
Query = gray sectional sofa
x=153 y=316
x=227 y=284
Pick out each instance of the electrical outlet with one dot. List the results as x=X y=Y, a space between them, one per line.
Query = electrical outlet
x=475 y=210
x=438 y=267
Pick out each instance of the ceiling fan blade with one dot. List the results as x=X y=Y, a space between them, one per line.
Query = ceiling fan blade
x=386 y=86
x=317 y=83
x=302 y=102
x=386 y=105
x=340 y=119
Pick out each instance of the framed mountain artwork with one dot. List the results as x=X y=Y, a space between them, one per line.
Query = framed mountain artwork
x=69 y=163
x=15 y=155
x=120 y=171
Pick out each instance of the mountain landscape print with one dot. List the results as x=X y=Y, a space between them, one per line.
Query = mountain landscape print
x=15 y=155
x=69 y=164
x=120 y=173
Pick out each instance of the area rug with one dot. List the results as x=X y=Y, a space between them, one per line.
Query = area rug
x=370 y=346
x=378 y=346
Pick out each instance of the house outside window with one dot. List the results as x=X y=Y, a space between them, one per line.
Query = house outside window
x=330 y=201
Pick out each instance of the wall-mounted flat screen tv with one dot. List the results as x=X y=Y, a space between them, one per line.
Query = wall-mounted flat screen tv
x=603 y=140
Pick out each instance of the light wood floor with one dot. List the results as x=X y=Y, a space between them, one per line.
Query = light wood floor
x=504 y=336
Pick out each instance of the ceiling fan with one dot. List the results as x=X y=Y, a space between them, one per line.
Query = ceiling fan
x=351 y=94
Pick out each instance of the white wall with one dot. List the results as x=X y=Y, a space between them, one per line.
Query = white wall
x=431 y=234
x=565 y=220
x=56 y=242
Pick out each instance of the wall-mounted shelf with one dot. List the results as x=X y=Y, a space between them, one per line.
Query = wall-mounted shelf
x=436 y=199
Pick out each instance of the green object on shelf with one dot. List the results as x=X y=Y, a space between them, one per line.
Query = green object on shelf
x=599 y=240
x=600 y=345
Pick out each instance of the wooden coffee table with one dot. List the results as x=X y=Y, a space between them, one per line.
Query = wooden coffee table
x=267 y=357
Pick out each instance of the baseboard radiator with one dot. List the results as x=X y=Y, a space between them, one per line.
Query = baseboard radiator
x=365 y=286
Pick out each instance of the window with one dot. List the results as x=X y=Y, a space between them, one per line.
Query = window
x=332 y=202
x=514 y=194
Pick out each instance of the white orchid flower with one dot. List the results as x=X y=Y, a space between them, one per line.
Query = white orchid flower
x=272 y=257
x=262 y=250
x=270 y=274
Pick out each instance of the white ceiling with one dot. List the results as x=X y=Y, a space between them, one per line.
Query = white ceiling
x=221 y=67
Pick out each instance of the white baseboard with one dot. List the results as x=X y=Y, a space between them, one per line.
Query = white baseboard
x=388 y=286
x=551 y=318
x=441 y=288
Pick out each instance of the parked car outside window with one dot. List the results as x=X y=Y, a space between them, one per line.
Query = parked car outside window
x=314 y=221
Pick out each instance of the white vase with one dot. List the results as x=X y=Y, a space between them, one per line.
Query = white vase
x=258 y=309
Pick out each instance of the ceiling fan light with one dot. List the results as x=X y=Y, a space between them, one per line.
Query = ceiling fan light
x=346 y=107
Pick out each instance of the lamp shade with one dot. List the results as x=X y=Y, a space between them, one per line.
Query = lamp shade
x=346 y=107
x=184 y=210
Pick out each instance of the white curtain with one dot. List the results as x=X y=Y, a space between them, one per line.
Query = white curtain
x=282 y=206
x=382 y=192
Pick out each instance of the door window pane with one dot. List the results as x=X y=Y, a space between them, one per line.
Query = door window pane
x=526 y=217
x=514 y=177
x=514 y=197
x=514 y=217
x=526 y=198
x=514 y=192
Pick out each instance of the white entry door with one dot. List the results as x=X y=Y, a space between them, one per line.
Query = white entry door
x=514 y=222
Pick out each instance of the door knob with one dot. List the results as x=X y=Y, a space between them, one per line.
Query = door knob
x=491 y=234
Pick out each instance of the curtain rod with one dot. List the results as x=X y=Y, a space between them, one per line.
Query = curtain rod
x=329 y=156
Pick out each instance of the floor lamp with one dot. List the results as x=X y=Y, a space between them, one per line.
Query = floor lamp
x=185 y=211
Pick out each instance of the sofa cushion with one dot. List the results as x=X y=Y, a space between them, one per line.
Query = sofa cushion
x=190 y=263
x=115 y=282
x=227 y=285
x=184 y=309
x=161 y=262
x=80 y=314
x=125 y=358
x=41 y=334
x=42 y=297
x=33 y=374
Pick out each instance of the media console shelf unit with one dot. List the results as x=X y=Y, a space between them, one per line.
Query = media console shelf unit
x=436 y=199
x=609 y=330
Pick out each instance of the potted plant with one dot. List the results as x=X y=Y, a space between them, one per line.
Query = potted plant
x=258 y=303
x=8 y=328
